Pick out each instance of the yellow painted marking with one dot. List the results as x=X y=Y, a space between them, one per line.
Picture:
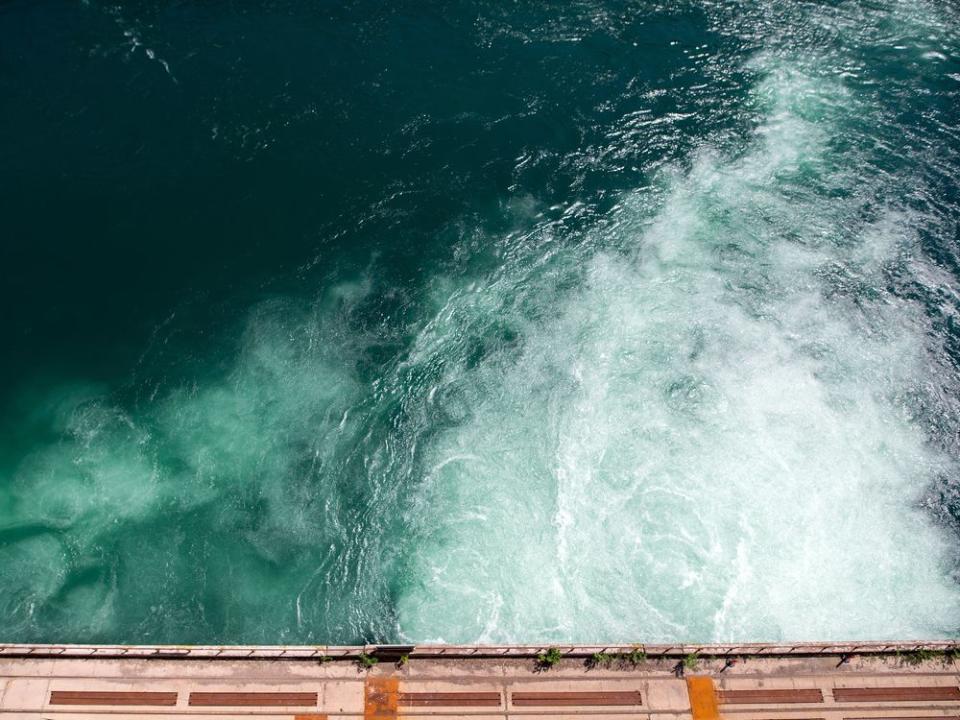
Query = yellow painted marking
x=380 y=699
x=703 y=698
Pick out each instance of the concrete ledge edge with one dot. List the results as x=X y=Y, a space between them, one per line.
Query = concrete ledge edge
x=318 y=652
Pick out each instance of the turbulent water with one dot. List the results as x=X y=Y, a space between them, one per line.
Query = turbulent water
x=481 y=321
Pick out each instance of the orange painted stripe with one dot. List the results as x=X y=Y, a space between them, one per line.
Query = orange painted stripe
x=380 y=697
x=703 y=698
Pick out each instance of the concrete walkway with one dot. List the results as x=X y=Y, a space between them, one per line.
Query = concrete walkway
x=762 y=688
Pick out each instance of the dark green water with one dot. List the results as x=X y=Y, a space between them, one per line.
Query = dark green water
x=329 y=322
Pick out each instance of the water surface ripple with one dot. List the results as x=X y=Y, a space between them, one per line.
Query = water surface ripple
x=585 y=321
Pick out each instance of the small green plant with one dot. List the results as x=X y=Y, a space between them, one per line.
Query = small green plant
x=636 y=656
x=600 y=659
x=548 y=659
x=366 y=661
x=691 y=661
x=404 y=659
x=921 y=655
x=324 y=659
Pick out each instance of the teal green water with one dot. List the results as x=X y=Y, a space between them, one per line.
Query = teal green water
x=474 y=321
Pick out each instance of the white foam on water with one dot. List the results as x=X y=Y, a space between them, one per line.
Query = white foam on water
x=710 y=437
x=253 y=454
x=696 y=419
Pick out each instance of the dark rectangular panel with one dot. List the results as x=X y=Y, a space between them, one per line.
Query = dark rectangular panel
x=760 y=697
x=554 y=699
x=109 y=697
x=896 y=694
x=253 y=699
x=450 y=699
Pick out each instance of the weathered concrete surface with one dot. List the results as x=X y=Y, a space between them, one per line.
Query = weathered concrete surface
x=911 y=687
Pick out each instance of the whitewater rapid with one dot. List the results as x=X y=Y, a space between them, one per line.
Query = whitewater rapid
x=718 y=434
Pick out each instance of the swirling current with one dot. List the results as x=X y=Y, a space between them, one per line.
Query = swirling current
x=479 y=321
